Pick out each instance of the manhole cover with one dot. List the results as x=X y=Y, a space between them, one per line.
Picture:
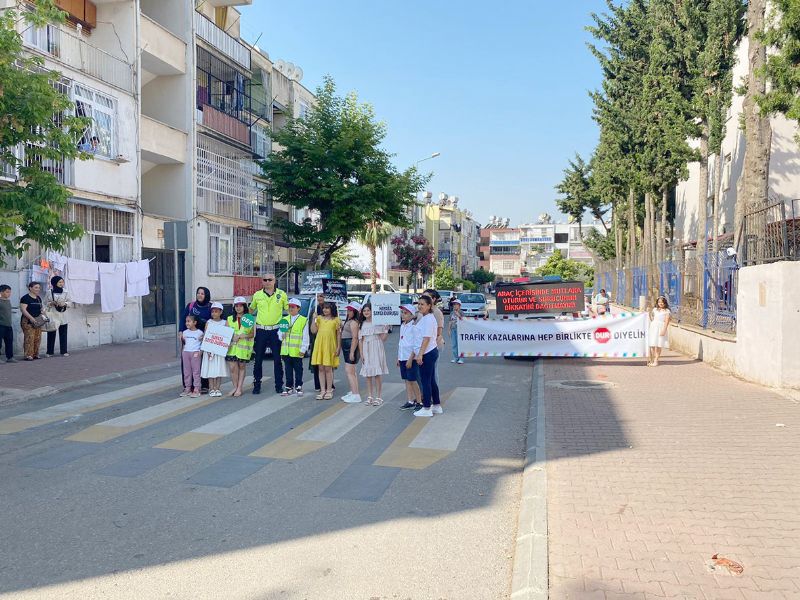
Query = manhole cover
x=581 y=384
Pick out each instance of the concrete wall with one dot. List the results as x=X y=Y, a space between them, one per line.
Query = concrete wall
x=165 y=192
x=765 y=348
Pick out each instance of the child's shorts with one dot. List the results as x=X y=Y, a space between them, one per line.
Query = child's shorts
x=407 y=374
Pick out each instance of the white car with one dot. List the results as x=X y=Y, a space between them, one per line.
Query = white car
x=473 y=304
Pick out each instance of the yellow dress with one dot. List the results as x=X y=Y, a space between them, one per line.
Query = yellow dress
x=325 y=345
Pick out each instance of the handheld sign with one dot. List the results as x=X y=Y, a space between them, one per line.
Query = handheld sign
x=335 y=290
x=532 y=298
x=283 y=325
x=217 y=339
x=248 y=320
x=385 y=309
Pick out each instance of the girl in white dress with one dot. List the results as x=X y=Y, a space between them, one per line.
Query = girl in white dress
x=373 y=356
x=657 y=331
x=213 y=367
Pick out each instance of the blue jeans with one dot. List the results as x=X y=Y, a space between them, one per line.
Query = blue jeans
x=454 y=341
x=430 y=389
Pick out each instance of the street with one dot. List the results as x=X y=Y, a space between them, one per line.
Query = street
x=131 y=492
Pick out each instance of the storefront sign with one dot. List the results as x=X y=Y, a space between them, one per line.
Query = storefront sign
x=531 y=298
x=622 y=335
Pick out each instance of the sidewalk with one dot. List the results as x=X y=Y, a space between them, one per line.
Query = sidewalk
x=649 y=478
x=24 y=380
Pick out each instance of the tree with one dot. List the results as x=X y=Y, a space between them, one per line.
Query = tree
x=373 y=235
x=579 y=195
x=341 y=264
x=333 y=163
x=468 y=285
x=782 y=68
x=414 y=254
x=443 y=277
x=602 y=246
x=481 y=276
x=567 y=269
x=31 y=206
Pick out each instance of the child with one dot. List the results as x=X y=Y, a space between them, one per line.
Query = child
x=6 y=330
x=373 y=357
x=294 y=345
x=213 y=364
x=326 y=348
x=192 y=338
x=410 y=341
x=241 y=349
x=455 y=316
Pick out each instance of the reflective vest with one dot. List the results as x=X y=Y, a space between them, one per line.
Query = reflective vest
x=243 y=348
x=269 y=309
x=293 y=339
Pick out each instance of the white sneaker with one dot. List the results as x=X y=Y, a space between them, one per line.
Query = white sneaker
x=437 y=409
x=460 y=361
x=423 y=412
x=352 y=398
x=452 y=361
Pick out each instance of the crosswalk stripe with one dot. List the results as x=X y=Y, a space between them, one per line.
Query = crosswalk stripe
x=323 y=429
x=51 y=414
x=119 y=426
x=211 y=432
x=426 y=441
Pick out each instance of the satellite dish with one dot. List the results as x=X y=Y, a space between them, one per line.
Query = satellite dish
x=442 y=196
x=281 y=66
x=298 y=74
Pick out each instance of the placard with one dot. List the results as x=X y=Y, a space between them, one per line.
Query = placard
x=385 y=309
x=335 y=290
x=312 y=280
x=531 y=298
x=217 y=338
x=622 y=335
x=248 y=320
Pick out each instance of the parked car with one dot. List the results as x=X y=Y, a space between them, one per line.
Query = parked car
x=446 y=295
x=473 y=304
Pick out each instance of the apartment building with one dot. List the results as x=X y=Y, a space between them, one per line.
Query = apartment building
x=96 y=52
x=503 y=247
x=538 y=242
x=453 y=232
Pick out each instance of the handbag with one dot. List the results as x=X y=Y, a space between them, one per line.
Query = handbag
x=54 y=318
x=40 y=321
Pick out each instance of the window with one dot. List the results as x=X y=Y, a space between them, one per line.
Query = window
x=561 y=238
x=303 y=109
x=255 y=253
x=508 y=265
x=109 y=233
x=220 y=242
x=102 y=110
x=726 y=173
x=47 y=39
x=261 y=141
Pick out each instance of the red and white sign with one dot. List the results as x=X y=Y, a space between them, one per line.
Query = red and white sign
x=622 y=335
x=217 y=338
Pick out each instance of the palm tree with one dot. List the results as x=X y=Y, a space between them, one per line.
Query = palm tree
x=373 y=235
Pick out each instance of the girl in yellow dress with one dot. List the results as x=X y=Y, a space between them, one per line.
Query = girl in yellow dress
x=326 y=348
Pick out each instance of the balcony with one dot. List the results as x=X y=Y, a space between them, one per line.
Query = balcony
x=63 y=170
x=229 y=2
x=75 y=52
x=163 y=53
x=216 y=37
x=224 y=124
x=162 y=144
x=225 y=185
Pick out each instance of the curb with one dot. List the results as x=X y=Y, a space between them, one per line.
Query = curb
x=49 y=390
x=529 y=578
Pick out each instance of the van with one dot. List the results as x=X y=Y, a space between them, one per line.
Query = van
x=365 y=285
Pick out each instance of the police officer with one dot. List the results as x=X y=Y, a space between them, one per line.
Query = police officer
x=269 y=305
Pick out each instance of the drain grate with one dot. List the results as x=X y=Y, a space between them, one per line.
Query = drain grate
x=581 y=384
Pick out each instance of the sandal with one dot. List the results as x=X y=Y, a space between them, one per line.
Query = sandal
x=320 y=396
x=369 y=401
x=327 y=396
x=377 y=402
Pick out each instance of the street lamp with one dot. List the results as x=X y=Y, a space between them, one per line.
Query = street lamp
x=434 y=155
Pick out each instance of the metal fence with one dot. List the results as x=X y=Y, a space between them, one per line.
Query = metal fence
x=700 y=288
x=770 y=234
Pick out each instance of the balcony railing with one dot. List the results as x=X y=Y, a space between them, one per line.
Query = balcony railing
x=62 y=170
x=225 y=185
x=75 y=52
x=228 y=45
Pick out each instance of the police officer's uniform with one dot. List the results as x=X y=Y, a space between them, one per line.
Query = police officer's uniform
x=269 y=311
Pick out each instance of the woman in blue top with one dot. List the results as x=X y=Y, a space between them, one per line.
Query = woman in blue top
x=201 y=309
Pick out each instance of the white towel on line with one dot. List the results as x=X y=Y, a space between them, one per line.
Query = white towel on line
x=81 y=280
x=57 y=260
x=112 y=287
x=137 y=274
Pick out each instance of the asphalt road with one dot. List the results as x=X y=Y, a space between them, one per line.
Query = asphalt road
x=122 y=496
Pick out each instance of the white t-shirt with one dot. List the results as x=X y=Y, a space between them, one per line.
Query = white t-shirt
x=427 y=327
x=410 y=340
x=192 y=340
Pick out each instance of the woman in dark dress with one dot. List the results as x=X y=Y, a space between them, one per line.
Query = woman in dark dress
x=201 y=309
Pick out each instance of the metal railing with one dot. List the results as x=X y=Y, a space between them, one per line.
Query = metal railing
x=27 y=156
x=767 y=235
x=75 y=52
x=227 y=44
x=225 y=185
x=700 y=288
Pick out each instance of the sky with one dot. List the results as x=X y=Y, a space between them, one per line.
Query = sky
x=499 y=89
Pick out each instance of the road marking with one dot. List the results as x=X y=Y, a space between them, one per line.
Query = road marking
x=51 y=414
x=427 y=441
x=114 y=428
x=324 y=429
x=211 y=432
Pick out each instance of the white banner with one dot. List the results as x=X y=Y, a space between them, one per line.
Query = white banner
x=217 y=338
x=622 y=335
x=385 y=309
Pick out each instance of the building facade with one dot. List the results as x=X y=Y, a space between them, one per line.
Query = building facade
x=538 y=242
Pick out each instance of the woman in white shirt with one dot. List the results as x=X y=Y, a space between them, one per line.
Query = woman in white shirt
x=426 y=359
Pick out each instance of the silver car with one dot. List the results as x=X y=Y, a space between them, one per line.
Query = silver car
x=473 y=304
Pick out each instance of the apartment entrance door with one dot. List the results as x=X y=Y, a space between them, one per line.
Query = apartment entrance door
x=158 y=308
